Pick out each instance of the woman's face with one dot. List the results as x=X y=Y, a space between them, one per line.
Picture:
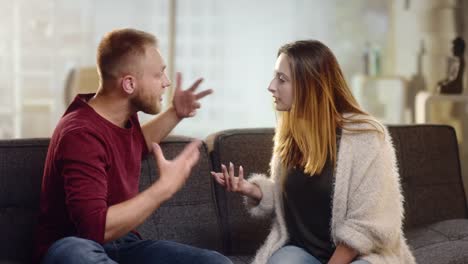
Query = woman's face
x=281 y=85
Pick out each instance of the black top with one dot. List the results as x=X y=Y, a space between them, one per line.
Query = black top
x=308 y=208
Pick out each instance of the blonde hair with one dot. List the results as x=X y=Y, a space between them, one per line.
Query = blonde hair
x=306 y=135
x=119 y=50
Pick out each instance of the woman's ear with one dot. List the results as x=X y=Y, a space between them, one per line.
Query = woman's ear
x=128 y=84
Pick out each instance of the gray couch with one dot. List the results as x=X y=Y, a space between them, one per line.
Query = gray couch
x=202 y=214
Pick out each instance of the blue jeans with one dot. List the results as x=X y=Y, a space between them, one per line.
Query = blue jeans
x=297 y=255
x=128 y=249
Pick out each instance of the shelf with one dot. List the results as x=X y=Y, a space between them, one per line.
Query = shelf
x=425 y=99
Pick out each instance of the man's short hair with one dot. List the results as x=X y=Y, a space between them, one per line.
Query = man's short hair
x=120 y=49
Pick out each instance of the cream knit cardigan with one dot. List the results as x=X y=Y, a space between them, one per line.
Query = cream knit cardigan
x=367 y=207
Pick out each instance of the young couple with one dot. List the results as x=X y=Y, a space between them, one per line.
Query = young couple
x=334 y=187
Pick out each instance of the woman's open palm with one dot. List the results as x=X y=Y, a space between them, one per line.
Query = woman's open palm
x=232 y=183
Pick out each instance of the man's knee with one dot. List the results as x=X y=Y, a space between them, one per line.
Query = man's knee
x=195 y=255
x=73 y=250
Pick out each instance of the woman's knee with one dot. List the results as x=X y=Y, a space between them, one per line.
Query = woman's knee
x=292 y=254
x=216 y=257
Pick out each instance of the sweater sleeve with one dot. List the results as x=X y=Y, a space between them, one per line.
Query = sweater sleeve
x=375 y=205
x=82 y=159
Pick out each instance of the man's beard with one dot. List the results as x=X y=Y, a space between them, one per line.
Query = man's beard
x=148 y=107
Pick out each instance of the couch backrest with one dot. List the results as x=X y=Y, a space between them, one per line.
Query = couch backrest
x=189 y=217
x=251 y=148
x=21 y=166
x=429 y=166
x=428 y=163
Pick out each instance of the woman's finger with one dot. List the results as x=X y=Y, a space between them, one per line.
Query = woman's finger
x=226 y=177
x=217 y=174
x=219 y=179
x=241 y=174
x=232 y=177
x=231 y=169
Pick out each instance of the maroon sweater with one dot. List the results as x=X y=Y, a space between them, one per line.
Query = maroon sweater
x=91 y=165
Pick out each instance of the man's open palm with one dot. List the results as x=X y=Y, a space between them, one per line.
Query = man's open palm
x=186 y=101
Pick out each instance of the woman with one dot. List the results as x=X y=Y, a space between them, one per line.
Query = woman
x=334 y=186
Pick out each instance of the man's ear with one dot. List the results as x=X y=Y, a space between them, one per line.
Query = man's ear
x=129 y=84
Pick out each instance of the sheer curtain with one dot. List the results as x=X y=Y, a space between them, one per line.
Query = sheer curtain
x=233 y=44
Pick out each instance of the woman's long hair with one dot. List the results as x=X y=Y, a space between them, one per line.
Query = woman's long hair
x=306 y=135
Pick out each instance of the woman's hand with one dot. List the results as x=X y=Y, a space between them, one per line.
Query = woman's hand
x=343 y=255
x=236 y=184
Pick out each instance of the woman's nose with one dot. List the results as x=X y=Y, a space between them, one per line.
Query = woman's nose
x=270 y=87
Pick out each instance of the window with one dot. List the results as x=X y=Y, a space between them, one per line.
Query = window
x=232 y=44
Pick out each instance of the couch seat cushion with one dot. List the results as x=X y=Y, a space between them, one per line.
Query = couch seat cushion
x=440 y=243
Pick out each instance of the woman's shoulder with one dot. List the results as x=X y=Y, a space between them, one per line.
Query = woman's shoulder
x=364 y=129
x=360 y=121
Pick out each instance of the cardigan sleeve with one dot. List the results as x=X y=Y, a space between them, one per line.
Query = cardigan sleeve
x=266 y=205
x=374 y=216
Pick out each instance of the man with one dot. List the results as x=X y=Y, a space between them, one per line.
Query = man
x=90 y=203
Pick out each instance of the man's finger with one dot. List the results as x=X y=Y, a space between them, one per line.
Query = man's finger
x=204 y=93
x=196 y=105
x=195 y=85
x=178 y=81
x=193 y=158
x=190 y=148
x=158 y=154
x=191 y=153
